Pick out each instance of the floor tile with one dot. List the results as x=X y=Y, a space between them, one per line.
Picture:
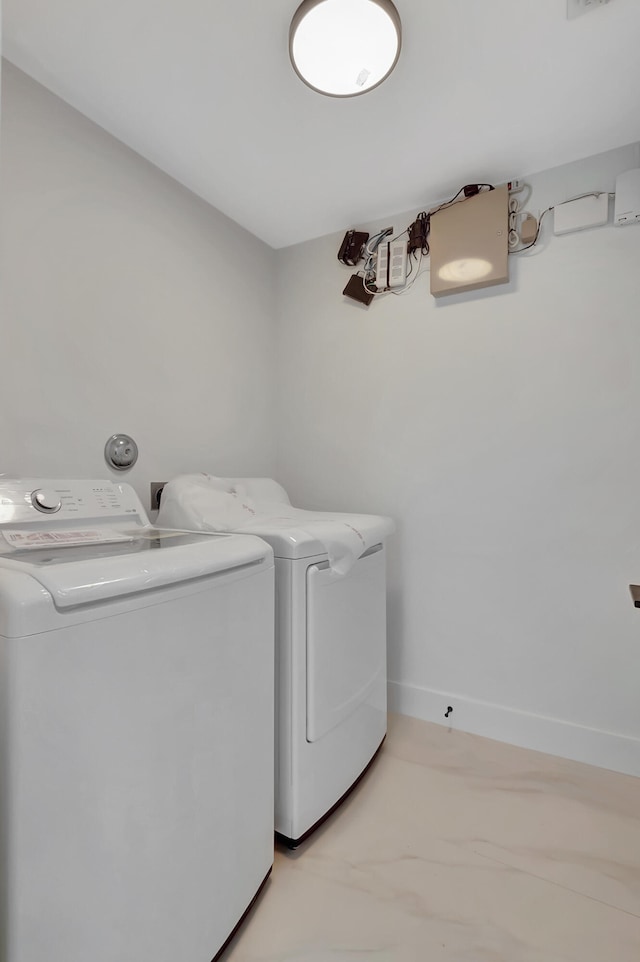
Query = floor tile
x=458 y=849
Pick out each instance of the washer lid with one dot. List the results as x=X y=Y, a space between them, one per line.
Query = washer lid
x=122 y=561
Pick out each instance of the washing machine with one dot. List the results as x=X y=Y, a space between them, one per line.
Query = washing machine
x=136 y=745
x=330 y=611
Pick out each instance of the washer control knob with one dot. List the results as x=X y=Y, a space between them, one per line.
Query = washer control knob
x=46 y=500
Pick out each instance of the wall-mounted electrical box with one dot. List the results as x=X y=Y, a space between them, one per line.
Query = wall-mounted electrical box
x=627 y=209
x=589 y=211
x=468 y=243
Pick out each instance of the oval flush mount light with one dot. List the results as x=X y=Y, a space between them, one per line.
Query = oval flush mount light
x=343 y=48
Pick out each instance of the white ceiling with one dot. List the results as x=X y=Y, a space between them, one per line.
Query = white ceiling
x=483 y=91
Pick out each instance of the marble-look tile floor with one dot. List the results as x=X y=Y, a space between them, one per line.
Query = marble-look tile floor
x=455 y=848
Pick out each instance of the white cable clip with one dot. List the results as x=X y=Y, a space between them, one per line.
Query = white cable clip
x=513 y=237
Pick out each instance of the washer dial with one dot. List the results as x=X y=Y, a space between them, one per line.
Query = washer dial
x=45 y=500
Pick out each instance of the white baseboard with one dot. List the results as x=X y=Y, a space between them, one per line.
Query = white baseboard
x=620 y=753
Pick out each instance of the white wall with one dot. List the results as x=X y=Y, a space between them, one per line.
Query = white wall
x=501 y=429
x=128 y=305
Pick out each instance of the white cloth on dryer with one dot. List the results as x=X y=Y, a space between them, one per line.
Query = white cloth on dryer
x=202 y=502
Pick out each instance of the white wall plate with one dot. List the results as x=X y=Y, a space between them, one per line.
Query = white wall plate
x=579 y=214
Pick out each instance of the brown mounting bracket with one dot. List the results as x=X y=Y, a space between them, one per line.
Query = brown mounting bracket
x=635 y=594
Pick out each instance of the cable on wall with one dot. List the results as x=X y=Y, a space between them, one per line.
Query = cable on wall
x=523 y=233
x=535 y=239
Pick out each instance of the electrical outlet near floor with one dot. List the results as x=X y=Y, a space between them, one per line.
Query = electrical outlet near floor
x=155 y=492
x=575 y=8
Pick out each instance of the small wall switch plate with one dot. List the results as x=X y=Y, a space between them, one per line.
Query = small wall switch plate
x=575 y=8
x=590 y=211
x=397 y=263
x=627 y=206
x=382 y=266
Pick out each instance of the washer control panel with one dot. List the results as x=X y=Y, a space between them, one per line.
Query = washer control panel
x=28 y=500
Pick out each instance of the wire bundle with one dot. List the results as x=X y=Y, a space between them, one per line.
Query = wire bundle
x=514 y=236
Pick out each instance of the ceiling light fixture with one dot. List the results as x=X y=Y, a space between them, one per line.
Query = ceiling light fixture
x=343 y=48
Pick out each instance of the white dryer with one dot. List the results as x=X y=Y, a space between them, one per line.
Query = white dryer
x=136 y=747
x=331 y=678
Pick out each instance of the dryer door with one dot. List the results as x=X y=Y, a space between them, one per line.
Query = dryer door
x=346 y=641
